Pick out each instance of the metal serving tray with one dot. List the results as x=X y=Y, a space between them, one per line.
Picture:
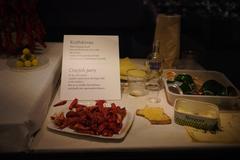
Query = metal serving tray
x=224 y=102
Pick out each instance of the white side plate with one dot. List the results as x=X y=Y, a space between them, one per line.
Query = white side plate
x=127 y=122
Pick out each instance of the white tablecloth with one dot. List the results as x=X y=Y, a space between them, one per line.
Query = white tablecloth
x=141 y=136
x=24 y=99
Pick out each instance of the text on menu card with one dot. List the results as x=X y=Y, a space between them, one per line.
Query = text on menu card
x=90 y=68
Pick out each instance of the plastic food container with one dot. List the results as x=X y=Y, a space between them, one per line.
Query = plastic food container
x=197 y=114
x=199 y=77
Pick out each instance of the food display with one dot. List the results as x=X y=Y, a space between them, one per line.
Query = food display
x=60 y=103
x=27 y=59
x=185 y=82
x=155 y=115
x=213 y=87
x=125 y=65
x=201 y=85
x=197 y=114
x=186 y=85
x=97 y=119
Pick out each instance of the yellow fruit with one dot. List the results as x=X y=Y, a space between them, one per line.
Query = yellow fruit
x=27 y=63
x=34 y=62
x=23 y=57
x=26 y=51
x=33 y=56
x=19 y=63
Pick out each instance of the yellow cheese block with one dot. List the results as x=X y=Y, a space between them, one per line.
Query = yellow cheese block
x=137 y=73
x=155 y=115
x=125 y=65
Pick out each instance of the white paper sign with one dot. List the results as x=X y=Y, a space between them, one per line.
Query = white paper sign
x=90 y=68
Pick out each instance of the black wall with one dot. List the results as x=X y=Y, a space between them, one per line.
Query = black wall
x=130 y=19
x=216 y=40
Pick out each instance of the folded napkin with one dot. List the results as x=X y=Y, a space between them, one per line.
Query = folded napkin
x=230 y=129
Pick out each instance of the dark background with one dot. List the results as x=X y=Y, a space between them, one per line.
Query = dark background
x=130 y=19
x=213 y=33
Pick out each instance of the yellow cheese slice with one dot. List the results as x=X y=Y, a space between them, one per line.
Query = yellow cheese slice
x=155 y=115
x=125 y=65
x=137 y=73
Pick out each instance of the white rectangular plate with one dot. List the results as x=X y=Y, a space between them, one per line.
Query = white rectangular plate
x=127 y=122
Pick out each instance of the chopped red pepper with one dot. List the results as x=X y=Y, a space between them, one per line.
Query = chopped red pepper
x=60 y=103
x=73 y=104
x=79 y=107
x=100 y=102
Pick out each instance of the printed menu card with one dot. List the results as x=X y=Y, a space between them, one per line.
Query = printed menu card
x=90 y=68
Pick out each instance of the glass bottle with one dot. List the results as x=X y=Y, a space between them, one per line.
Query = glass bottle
x=154 y=64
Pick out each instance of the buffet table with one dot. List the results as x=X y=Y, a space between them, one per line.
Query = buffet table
x=142 y=136
x=25 y=95
x=27 y=99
